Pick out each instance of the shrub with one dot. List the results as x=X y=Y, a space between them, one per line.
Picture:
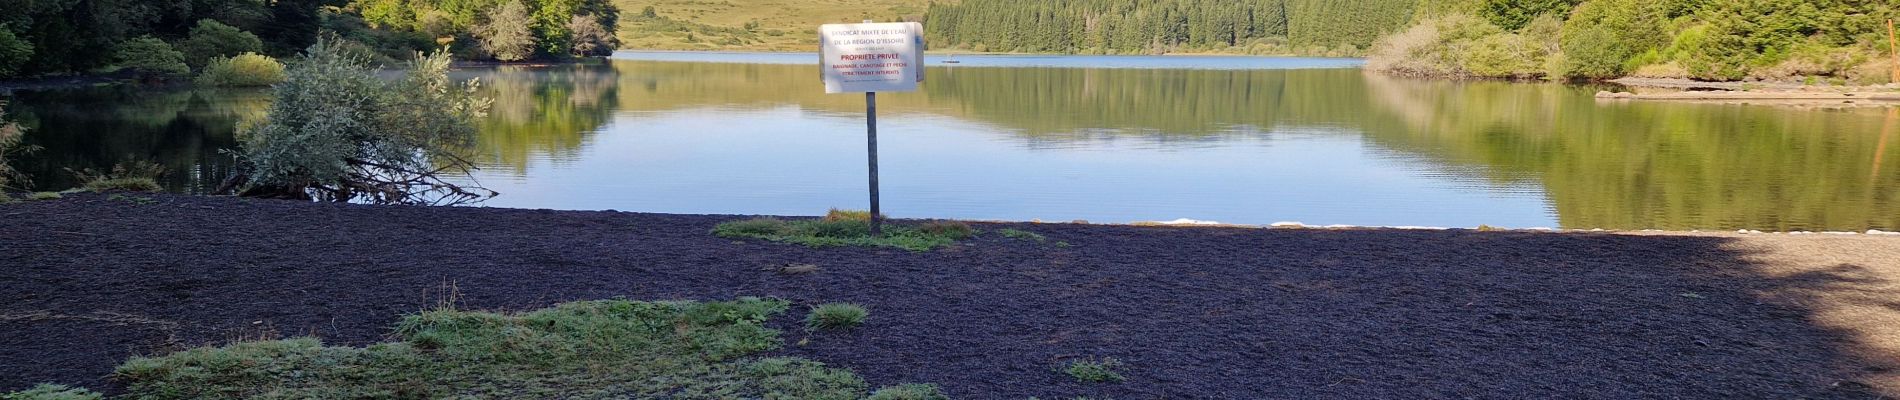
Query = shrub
x=337 y=132
x=1594 y=53
x=212 y=39
x=1503 y=56
x=834 y=316
x=506 y=34
x=14 y=53
x=950 y=229
x=1717 y=58
x=909 y=391
x=136 y=176
x=248 y=69
x=151 y=58
x=10 y=136
x=1602 y=36
x=590 y=38
x=1092 y=370
x=47 y=391
x=847 y=215
x=1460 y=45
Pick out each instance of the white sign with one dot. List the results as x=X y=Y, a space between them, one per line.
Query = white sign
x=883 y=57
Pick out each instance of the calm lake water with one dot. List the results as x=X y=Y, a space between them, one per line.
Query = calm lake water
x=1104 y=139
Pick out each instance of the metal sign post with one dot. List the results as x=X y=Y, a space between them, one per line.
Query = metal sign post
x=870 y=135
x=870 y=58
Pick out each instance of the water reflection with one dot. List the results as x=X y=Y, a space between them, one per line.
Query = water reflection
x=96 y=128
x=1323 y=146
x=548 y=112
x=1671 y=166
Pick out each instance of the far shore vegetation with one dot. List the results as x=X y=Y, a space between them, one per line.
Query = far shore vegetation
x=1835 y=42
x=589 y=349
x=233 y=42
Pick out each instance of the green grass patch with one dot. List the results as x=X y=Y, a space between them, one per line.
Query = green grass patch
x=46 y=391
x=43 y=196
x=135 y=176
x=1093 y=370
x=124 y=185
x=834 y=316
x=132 y=199
x=1023 y=235
x=913 y=391
x=5 y=198
x=950 y=229
x=846 y=230
x=591 y=349
x=847 y=215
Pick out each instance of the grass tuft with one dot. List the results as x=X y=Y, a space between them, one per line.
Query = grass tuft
x=137 y=176
x=591 y=349
x=47 y=391
x=847 y=215
x=840 y=231
x=1093 y=370
x=1013 y=233
x=124 y=185
x=909 y=391
x=132 y=199
x=834 y=316
x=950 y=229
x=755 y=227
x=4 y=198
x=43 y=196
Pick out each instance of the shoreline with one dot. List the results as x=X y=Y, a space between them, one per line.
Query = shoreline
x=976 y=53
x=1195 y=312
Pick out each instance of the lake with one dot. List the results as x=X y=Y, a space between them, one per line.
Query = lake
x=1244 y=140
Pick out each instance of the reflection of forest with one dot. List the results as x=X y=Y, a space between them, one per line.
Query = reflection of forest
x=1658 y=165
x=1037 y=102
x=1620 y=165
x=1625 y=166
x=181 y=130
x=543 y=112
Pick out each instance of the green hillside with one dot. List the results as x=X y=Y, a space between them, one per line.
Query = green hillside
x=757 y=25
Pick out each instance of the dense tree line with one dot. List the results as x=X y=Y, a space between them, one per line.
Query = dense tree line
x=508 y=30
x=67 y=36
x=1724 y=40
x=1156 y=26
x=40 y=37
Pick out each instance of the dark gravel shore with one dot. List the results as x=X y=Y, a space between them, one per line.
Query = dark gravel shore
x=1194 y=312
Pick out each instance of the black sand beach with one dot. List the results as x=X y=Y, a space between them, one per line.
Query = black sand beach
x=1194 y=312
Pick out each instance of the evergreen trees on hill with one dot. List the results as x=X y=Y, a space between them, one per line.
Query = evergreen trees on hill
x=1068 y=26
x=1841 y=41
x=1156 y=26
x=40 y=37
